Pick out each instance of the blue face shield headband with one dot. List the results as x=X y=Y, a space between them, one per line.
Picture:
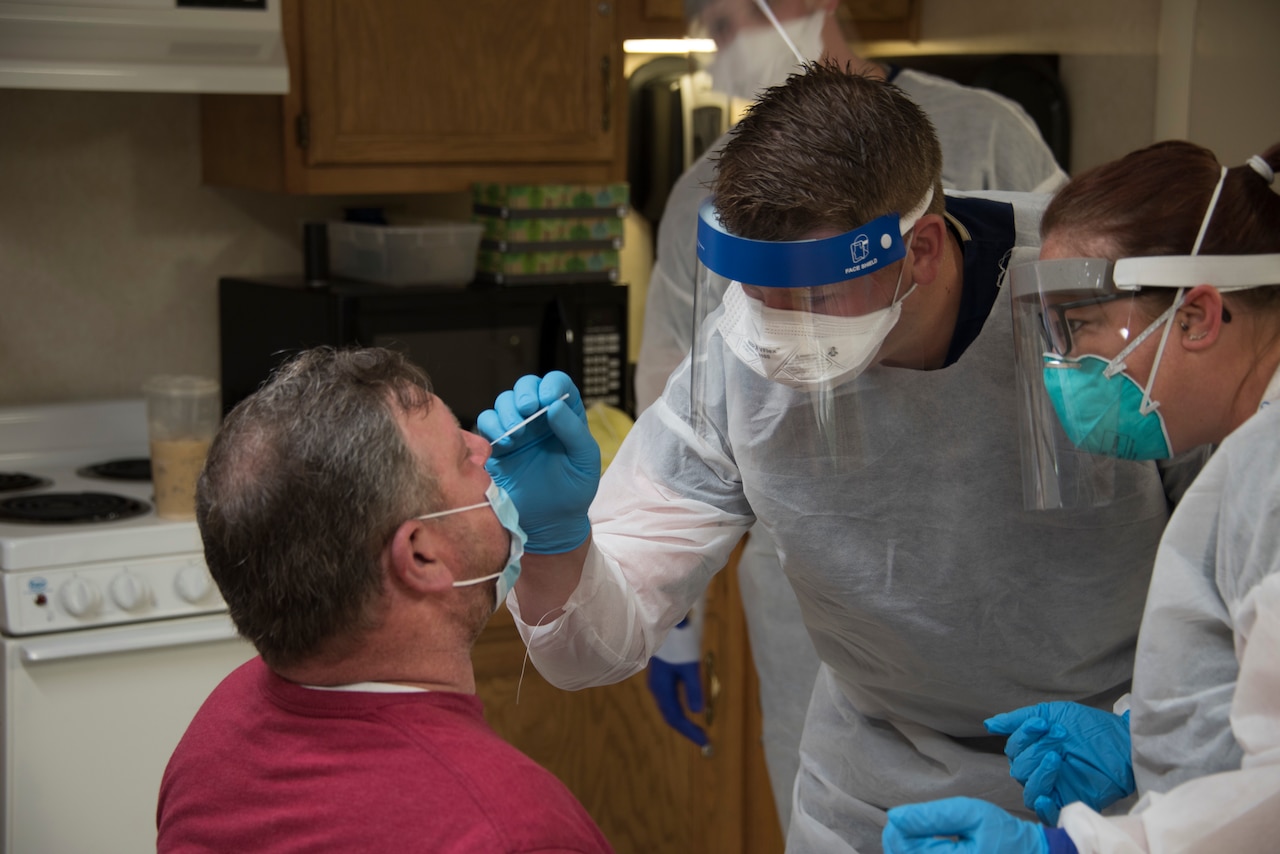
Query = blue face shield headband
x=803 y=263
x=806 y=317
x=809 y=314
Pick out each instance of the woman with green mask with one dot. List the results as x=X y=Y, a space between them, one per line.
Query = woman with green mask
x=1150 y=326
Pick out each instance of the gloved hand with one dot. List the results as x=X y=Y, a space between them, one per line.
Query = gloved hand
x=1066 y=752
x=960 y=825
x=667 y=676
x=551 y=466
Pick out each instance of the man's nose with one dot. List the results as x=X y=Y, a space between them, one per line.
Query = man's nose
x=479 y=446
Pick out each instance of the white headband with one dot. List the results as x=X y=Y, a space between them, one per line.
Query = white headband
x=913 y=216
x=1225 y=272
x=1263 y=168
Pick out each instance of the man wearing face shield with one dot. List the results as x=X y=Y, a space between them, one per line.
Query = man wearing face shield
x=988 y=143
x=933 y=598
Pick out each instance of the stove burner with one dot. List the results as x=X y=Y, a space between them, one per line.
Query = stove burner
x=14 y=481
x=66 y=507
x=129 y=468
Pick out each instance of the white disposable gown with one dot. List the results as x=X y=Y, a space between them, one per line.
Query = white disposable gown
x=933 y=599
x=988 y=143
x=1206 y=705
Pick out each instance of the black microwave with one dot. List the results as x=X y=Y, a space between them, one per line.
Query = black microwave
x=474 y=342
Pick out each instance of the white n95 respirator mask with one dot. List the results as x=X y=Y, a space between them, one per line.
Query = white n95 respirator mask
x=802 y=349
x=761 y=57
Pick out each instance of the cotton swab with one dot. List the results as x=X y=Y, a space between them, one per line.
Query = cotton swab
x=541 y=411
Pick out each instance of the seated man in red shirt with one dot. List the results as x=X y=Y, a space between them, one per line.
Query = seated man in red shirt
x=350 y=524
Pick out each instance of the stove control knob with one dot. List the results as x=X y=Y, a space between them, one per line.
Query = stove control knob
x=130 y=592
x=193 y=582
x=80 y=597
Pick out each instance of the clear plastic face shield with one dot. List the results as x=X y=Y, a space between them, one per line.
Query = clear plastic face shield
x=788 y=325
x=1050 y=300
x=1075 y=323
x=755 y=49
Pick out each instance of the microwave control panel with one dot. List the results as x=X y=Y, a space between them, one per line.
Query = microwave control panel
x=603 y=364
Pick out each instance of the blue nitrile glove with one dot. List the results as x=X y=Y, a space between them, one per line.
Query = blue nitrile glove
x=667 y=676
x=551 y=466
x=962 y=826
x=1067 y=752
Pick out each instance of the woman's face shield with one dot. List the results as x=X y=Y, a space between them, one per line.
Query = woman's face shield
x=1076 y=322
x=806 y=316
x=1062 y=310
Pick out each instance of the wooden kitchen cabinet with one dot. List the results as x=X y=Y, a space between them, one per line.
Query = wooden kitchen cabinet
x=648 y=788
x=870 y=20
x=404 y=96
x=652 y=19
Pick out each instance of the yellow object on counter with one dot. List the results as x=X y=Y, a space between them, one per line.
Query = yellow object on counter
x=609 y=426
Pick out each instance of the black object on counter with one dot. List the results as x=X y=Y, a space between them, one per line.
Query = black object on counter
x=315 y=253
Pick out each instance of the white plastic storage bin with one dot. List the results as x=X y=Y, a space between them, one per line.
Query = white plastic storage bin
x=432 y=253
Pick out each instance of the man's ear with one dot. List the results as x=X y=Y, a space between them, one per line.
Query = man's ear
x=1200 y=318
x=416 y=558
x=928 y=245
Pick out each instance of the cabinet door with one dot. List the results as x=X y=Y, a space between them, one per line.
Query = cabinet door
x=648 y=788
x=652 y=19
x=452 y=81
x=862 y=20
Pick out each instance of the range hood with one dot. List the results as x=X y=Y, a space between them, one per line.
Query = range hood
x=230 y=46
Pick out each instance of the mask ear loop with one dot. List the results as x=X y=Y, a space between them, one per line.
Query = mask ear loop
x=1117 y=364
x=907 y=225
x=773 y=19
x=901 y=270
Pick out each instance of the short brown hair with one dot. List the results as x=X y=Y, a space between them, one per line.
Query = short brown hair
x=827 y=149
x=1152 y=201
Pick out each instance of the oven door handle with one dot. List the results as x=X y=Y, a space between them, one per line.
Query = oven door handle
x=160 y=634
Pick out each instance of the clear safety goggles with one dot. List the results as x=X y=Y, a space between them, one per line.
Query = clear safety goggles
x=1064 y=294
x=1051 y=300
x=797 y=320
x=1068 y=309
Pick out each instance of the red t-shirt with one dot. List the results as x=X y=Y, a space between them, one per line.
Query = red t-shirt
x=269 y=766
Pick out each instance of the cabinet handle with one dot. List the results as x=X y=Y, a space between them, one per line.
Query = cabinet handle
x=606 y=82
x=713 y=688
x=712 y=695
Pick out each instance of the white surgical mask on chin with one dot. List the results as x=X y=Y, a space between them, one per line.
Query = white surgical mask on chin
x=800 y=349
x=759 y=57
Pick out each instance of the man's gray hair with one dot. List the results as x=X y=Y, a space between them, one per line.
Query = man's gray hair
x=304 y=485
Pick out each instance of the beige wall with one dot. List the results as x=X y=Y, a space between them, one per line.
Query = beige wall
x=110 y=248
x=1135 y=71
x=1107 y=49
x=1220 y=75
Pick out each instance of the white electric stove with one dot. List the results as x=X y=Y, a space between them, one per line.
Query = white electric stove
x=113 y=630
